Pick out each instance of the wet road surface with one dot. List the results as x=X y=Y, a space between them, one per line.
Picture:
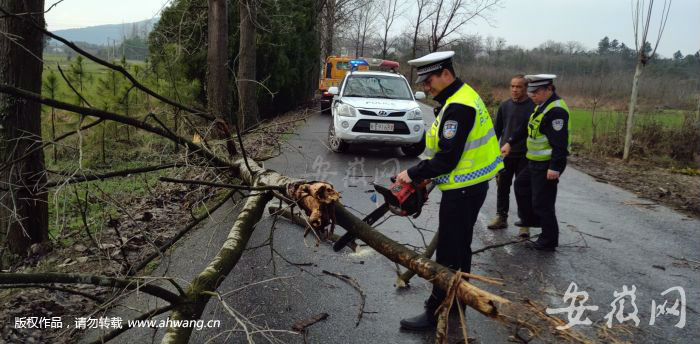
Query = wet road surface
x=609 y=238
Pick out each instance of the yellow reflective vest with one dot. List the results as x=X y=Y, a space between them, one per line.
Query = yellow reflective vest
x=481 y=158
x=538 y=147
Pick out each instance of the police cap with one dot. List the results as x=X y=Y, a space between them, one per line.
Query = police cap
x=539 y=80
x=431 y=63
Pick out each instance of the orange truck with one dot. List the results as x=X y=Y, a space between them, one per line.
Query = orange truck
x=335 y=69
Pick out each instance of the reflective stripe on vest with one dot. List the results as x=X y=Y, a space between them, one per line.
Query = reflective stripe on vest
x=538 y=147
x=481 y=156
x=469 y=144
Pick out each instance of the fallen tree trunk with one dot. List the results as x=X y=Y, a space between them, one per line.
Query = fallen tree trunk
x=484 y=302
x=214 y=274
x=480 y=300
x=404 y=278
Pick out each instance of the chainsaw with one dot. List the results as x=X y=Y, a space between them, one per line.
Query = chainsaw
x=402 y=199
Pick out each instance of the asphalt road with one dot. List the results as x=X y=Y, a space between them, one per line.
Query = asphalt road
x=609 y=239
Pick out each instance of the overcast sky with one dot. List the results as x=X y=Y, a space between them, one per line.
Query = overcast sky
x=526 y=23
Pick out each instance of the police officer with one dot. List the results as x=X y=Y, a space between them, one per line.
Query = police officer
x=513 y=115
x=548 y=142
x=462 y=155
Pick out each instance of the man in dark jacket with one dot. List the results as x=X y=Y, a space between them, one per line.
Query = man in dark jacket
x=512 y=116
x=548 y=140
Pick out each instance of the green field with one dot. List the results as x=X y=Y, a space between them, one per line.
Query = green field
x=611 y=121
x=123 y=149
x=93 y=72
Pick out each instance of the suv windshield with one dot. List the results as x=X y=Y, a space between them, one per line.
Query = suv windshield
x=377 y=86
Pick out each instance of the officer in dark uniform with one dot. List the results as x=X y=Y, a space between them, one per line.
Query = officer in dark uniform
x=461 y=156
x=548 y=140
x=513 y=115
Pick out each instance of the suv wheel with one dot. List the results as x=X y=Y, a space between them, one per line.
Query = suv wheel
x=415 y=149
x=337 y=145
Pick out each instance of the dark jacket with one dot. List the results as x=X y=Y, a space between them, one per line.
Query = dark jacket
x=513 y=117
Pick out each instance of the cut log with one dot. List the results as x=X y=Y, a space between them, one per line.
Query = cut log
x=404 y=278
x=484 y=302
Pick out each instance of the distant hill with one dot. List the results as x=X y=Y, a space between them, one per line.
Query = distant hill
x=99 y=34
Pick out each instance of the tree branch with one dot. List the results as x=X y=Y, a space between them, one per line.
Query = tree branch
x=197 y=149
x=45 y=144
x=214 y=274
x=179 y=235
x=223 y=185
x=122 y=173
x=51 y=287
x=53 y=277
x=116 y=332
x=120 y=69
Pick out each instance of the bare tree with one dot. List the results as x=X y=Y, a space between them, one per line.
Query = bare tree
x=23 y=209
x=424 y=12
x=218 y=92
x=389 y=11
x=641 y=18
x=599 y=92
x=247 y=86
x=451 y=15
x=335 y=15
x=574 y=47
x=363 y=23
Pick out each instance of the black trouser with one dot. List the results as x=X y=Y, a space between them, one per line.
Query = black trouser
x=536 y=197
x=512 y=167
x=458 y=213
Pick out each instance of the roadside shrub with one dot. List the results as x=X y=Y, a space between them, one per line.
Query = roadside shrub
x=652 y=140
x=684 y=143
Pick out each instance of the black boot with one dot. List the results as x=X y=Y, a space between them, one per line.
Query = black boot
x=542 y=245
x=425 y=321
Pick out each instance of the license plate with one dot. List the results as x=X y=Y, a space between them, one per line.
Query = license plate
x=381 y=126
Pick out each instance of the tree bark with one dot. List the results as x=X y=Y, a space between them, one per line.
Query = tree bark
x=247 y=86
x=217 y=270
x=218 y=93
x=413 y=51
x=23 y=210
x=404 y=278
x=329 y=29
x=481 y=300
x=632 y=107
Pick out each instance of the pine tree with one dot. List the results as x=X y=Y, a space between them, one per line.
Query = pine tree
x=51 y=88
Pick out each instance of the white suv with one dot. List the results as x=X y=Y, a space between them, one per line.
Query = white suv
x=376 y=107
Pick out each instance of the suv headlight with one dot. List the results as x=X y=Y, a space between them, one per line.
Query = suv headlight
x=347 y=110
x=414 y=114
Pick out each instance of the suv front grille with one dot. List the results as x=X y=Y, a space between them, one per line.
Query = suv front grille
x=362 y=126
x=374 y=113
